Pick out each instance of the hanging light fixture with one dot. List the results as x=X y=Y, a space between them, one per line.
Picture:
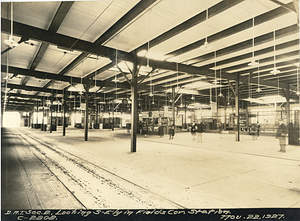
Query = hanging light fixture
x=139 y=100
x=220 y=95
x=148 y=68
x=116 y=80
x=181 y=105
x=11 y=42
x=192 y=98
x=249 y=85
x=95 y=88
x=298 y=91
x=150 y=94
x=258 y=88
x=177 y=88
x=81 y=91
x=228 y=103
x=274 y=70
x=216 y=90
x=206 y=46
x=253 y=62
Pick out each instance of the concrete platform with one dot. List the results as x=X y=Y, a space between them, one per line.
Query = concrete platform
x=163 y=173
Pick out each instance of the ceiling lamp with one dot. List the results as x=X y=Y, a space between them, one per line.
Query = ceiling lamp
x=206 y=46
x=249 y=86
x=298 y=92
x=192 y=98
x=220 y=95
x=148 y=69
x=258 y=88
x=95 y=88
x=115 y=79
x=216 y=90
x=150 y=94
x=253 y=62
x=181 y=105
x=274 y=70
x=10 y=42
x=228 y=103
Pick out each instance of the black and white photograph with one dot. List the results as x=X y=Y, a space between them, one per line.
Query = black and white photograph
x=150 y=110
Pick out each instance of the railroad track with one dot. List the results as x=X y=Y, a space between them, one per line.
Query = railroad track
x=92 y=185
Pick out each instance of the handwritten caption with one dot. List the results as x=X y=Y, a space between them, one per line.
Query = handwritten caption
x=55 y=215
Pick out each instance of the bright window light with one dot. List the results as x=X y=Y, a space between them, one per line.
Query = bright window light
x=11 y=119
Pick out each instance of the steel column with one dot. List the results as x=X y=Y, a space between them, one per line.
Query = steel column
x=64 y=112
x=37 y=115
x=87 y=88
x=134 y=113
x=237 y=109
x=43 y=116
x=51 y=109
x=173 y=106
x=287 y=107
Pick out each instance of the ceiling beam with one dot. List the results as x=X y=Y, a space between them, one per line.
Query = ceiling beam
x=54 y=26
x=286 y=6
x=80 y=45
x=25 y=96
x=248 y=44
x=123 y=22
x=195 y=20
x=69 y=79
x=268 y=16
x=29 y=88
x=126 y=19
x=262 y=61
x=64 y=41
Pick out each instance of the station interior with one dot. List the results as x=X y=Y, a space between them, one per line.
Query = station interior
x=132 y=104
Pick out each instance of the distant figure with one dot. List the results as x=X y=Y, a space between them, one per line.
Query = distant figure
x=258 y=128
x=200 y=129
x=193 y=130
x=281 y=135
x=145 y=129
x=253 y=132
x=219 y=128
x=171 y=130
x=160 y=130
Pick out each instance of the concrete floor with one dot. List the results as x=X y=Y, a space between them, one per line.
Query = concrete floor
x=178 y=173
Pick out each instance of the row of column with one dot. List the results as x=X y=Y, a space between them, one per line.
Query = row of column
x=134 y=109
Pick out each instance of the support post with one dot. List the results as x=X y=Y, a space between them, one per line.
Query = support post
x=237 y=109
x=37 y=115
x=113 y=116
x=2 y=112
x=287 y=108
x=43 y=115
x=64 y=112
x=86 y=116
x=29 y=119
x=51 y=109
x=173 y=107
x=134 y=113
x=185 y=107
x=225 y=111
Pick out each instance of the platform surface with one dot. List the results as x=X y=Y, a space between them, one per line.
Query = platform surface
x=179 y=173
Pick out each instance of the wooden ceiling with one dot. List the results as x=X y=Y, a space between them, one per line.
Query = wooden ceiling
x=64 y=44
